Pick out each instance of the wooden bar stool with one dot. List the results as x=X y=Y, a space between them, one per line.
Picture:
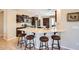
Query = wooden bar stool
x=56 y=38
x=21 y=39
x=44 y=39
x=30 y=41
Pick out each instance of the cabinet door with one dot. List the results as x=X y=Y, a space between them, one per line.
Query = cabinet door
x=46 y=22
x=33 y=20
x=19 y=18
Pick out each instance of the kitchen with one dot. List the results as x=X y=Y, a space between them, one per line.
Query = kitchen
x=43 y=21
x=39 y=29
x=9 y=25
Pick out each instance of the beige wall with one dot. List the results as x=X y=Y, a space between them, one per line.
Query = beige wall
x=24 y=12
x=10 y=22
x=1 y=24
x=59 y=21
x=70 y=37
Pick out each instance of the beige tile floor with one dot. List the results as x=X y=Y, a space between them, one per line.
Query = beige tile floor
x=8 y=44
x=12 y=45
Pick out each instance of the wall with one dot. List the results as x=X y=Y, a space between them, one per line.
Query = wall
x=70 y=37
x=24 y=12
x=10 y=22
x=59 y=24
x=5 y=25
x=1 y=24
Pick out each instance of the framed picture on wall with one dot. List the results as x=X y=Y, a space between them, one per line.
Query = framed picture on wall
x=73 y=16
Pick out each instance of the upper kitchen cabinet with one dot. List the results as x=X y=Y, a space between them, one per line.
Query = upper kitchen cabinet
x=34 y=19
x=19 y=19
x=22 y=18
x=46 y=22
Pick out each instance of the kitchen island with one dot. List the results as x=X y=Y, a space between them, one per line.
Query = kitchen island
x=40 y=32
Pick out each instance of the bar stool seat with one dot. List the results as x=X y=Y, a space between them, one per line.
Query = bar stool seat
x=56 y=38
x=30 y=42
x=22 y=35
x=44 y=39
x=30 y=37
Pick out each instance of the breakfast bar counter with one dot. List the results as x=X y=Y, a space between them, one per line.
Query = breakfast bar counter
x=40 y=32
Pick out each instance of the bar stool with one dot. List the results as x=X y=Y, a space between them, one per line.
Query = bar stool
x=21 y=39
x=56 y=38
x=44 y=40
x=30 y=41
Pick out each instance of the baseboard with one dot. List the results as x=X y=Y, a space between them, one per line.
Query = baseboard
x=67 y=48
x=11 y=38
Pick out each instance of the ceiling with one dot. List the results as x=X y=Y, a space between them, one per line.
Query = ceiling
x=37 y=12
x=40 y=12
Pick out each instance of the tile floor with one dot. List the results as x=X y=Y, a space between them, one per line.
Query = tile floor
x=12 y=45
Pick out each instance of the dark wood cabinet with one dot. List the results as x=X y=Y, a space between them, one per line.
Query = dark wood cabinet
x=33 y=20
x=55 y=16
x=46 y=22
x=21 y=18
